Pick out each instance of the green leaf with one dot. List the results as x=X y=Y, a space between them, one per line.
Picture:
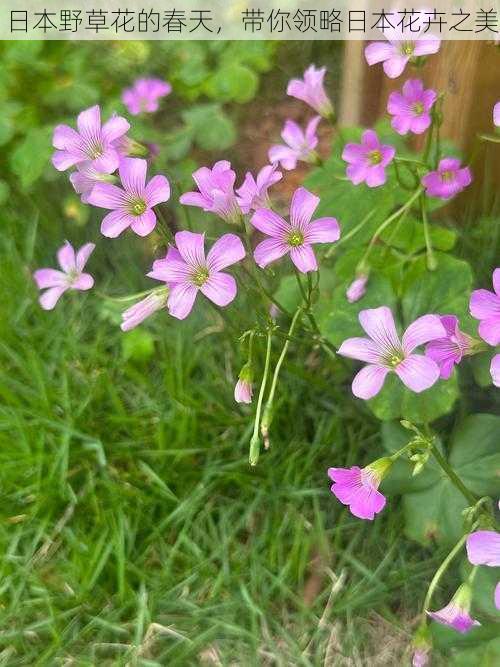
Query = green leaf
x=32 y=156
x=210 y=127
x=409 y=236
x=138 y=345
x=234 y=82
x=485 y=654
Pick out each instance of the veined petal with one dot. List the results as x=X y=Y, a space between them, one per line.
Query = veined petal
x=369 y=381
x=484 y=304
x=157 y=190
x=270 y=223
x=172 y=269
x=286 y=156
x=62 y=160
x=114 y=223
x=304 y=258
x=489 y=330
x=181 y=300
x=66 y=257
x=363 y=349
x=225 y=251
x=395 y=65
x=424 y=329
x=220 y=288
x=269 y=251
x=89 y=122
x=322 y=230
x=303 y=205
x=133 y=175
x=107 y=195
x=483 y=548
x=417 y=372
x=293 y=135
x=379 y=325
x=192 y=247
x=377 y=52
x=108 y=162
x=114 y=128
x=83 y=255
x=144 y=224
x=65 y=138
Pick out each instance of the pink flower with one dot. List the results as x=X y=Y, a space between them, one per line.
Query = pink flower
x=311 y=90
x=243 y=390
x=144 y=95
x=137 y=313
x=449 y=350
x=216 y=191
x=85 y=177
x=357 y=289
x=448 y=180
x=71 y=276
x=496 y=114
x=385 y=353
x=411 y=108
x=187 y=272
x=495 y=370
x=253 y=193
x=358 y=488
x=368 y=160
x=396 y=53
x=456 y=613
x=91 y=143
x=420 y=658
x=294 y=237
x=300 y=145
x=132 y=205
x=485 y=306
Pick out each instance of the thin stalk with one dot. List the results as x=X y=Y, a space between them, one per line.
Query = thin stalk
x=454 y=478
x=255 y=441
x=431 y=258
x=350 y=234
x=440 y=571
x=163 y=226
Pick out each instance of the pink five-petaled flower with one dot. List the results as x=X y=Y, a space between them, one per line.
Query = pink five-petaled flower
x=358 y=487
x=384 y=352
x=456 y=614
x=312 y=91
x=357 y=288
x=144 y=95
x=397 y=52
x=216 y=191
x=132 y=205
x=448 y=180
x=187 y=271
x=483 y=548
x=411 y=107
x=300 y=144
x=368 y=160
x=93 y=142
x=496 y=114
x=252 y=194
x=294 y=237
x=485 y=306
x=449 y=350
x=71 y=276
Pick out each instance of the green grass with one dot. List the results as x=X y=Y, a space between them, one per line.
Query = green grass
x=133 y=530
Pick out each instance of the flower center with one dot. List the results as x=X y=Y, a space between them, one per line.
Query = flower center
x=137 y=207
x=418 y=108
x=407 y=48
x=295 y=238
x=200 y=276
x=72 y=276
x=394 y=359
x=95 y=149
x=375 y=157
x=447 y=176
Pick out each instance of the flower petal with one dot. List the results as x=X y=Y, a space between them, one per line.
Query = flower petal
x=496 y=281
x=323 y=230
x=395 y=65
x=379 y=325
x=114 y=223
x=84 y=282
x=495 y=370
x=369 y=381
x=483 y=548
x=220 y=288
x=363 y=349
x=49 y=278
x=377 y=52
x=157 y=190
x=304 y=258
x=66 y=257
x=418 y=372
x=191 y=247
x=303 y=205
x=489 y=330
x=270 y=223
x=89 y=122
x=51 y=296
x=225 y=251
x=484 y=304
x=133 y=175
x=269 y=251
x=107 y=195
x=144 y=224
x=115 y=127
x=83 y=255
x=286 y=156
x=181 y=300
x=424 y=329
x=292 y=135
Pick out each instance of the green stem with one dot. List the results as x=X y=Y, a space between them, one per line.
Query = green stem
x=440 y=571
x=163 y=226
x=266 y=416
x=255 y=441
x=431 y=258
x=350 y=234
x=454 y=478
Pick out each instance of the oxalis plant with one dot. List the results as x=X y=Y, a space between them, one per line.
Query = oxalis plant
x=359 y=260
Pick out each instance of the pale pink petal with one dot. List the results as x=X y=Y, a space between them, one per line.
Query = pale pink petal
x=157 y=190
x=375 y=176
x=107 y=195
x=195 y=199
x=323 y=230
x=66 y=257
x=83 y=255
x=367 y=503
x=425 y=46
x=108 y=162
x=357 y=173
x=497 y=592
x=144 y=224
x=418 y=372
x=496 y=281
x=286 y=156
x=495 y=370
x=353 y=153
x=304 y=258
x=496 y=114
x=310 y=134
x=394 y=67
x=51 y=296
x=484 y=304
x=133 y=175
x=379 y=325
x=49 y=278
x=270 y=223
x=84 y=282
x=225 y=251
x=293 y=135
x=220 y=288
x=363 y=349
x=89 y=122
x=489 y=330
x=377 y=52
x=115 y=128
x=114 y=223
x=303 y=205
x=181 y=300
x=369 y=381
x=191 y=247
x=269 y=251
x=424 y=329
x=62 y=160
x=483 y=548
x=172 y=269
x=66 y=138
